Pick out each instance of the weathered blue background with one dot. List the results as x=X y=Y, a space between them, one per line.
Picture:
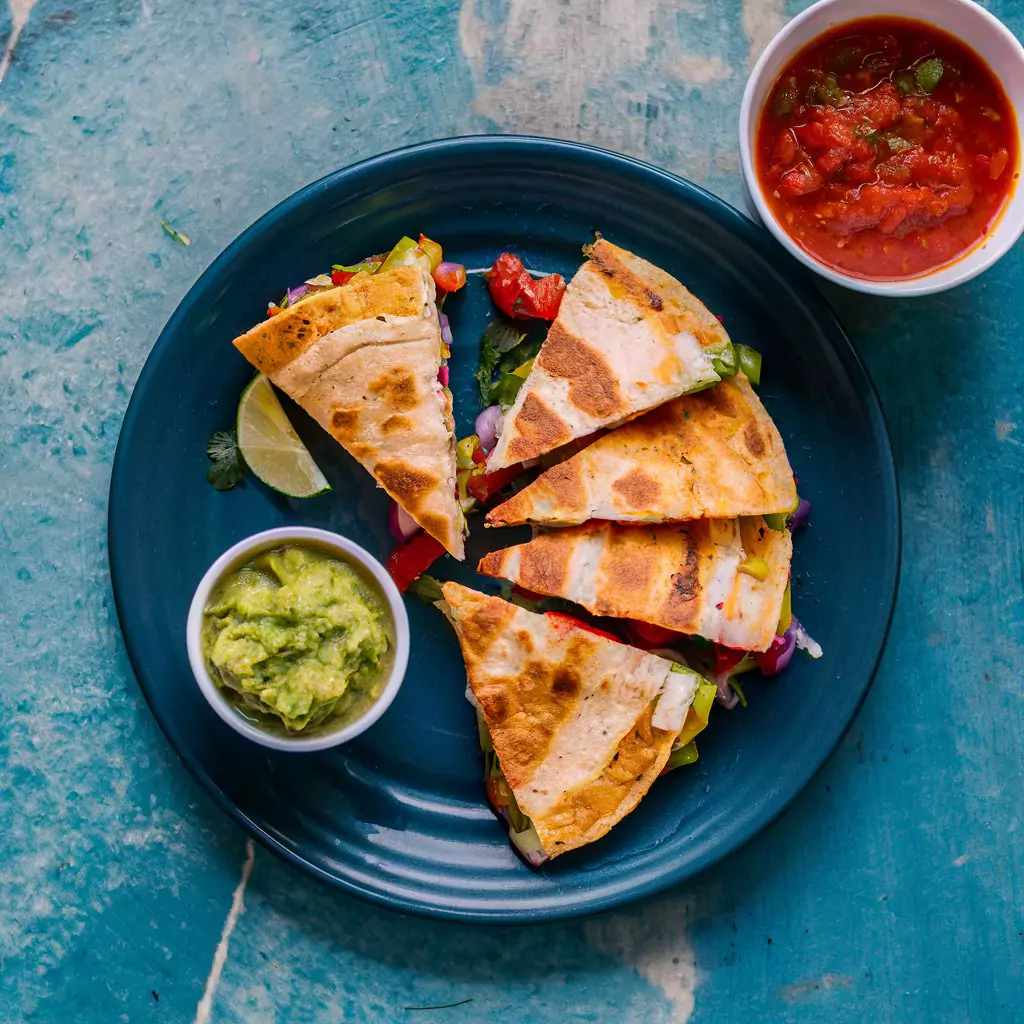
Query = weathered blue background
x=891 y=891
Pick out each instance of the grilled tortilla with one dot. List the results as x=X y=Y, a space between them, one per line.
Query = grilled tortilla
x=363 y=360
x=573 y=716
x=628 y=337
x=685 y=576
x=716 y=454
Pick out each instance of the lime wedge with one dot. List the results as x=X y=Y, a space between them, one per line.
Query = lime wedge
x=270 y=446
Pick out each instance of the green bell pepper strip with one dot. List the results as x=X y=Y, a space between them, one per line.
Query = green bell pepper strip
x=750 y=362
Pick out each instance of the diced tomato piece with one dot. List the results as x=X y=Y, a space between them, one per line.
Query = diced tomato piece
x=800 y=181
x=484 y=486
x=646 y=634
x=518 y=295
x=450 y=277
x=342 y=276
x=541 y=298
x=495 y=797
x=273 y=309
x=413 y=559
x=569 y=620
x=479 y=455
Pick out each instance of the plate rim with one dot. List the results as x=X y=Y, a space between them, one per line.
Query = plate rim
x=572 y=904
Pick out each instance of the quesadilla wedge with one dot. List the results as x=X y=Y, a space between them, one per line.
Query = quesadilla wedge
x=716 y=454
x=580 y=724
x=363 y=360
x=720 y=579
x=627 y=338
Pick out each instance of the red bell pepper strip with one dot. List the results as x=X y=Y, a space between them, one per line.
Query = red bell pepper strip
x=484 y=486
x=646 y=634
x=562 y=618
x=413 y=559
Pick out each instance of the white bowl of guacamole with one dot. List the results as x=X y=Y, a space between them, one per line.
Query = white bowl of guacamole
x=298 y=638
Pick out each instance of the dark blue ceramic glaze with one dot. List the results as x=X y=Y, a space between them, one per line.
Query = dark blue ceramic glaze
x=398 y=816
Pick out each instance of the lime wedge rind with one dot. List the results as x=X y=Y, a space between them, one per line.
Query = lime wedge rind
x=271 y=447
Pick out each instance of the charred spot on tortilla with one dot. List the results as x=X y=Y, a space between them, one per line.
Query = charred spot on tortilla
x=407 y=483
x=546 y=565
x=483 y=624
x=433 y=523
x=629 y=569
x=540 y=430
x=593 y=387
x=344 y=420
x=395 y=423
x=686 y=582
x=637 y=489
x=566 y=682
x=398 y=387
x=498 y=707
x=753 y=439
x=654 y=301
x=525 y=641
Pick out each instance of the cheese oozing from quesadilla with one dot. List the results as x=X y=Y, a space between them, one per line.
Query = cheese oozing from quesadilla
x=628 y=337
x=721 y=579
x=715 y=454
x=576 y=720
x=363 y=359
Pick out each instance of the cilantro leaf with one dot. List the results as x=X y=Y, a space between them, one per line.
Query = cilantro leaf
x=499 y=338
x=228 y=465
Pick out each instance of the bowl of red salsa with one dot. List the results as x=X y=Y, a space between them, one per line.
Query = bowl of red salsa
x=883 y=149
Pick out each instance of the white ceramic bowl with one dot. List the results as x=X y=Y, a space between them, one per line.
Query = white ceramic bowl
x=345 y=551
x=963 y=19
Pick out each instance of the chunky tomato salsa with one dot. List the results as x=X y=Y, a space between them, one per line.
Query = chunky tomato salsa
x=887 y=148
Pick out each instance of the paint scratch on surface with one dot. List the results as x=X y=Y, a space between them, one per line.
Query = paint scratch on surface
x=1004 y=432
x=20 y=10
x=220 y=956
x=803 y=989
x=655 y=942
x=694 y=70
x=961 y=860
x=761 y=19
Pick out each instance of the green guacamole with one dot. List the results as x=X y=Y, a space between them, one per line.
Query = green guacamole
x=298 y=635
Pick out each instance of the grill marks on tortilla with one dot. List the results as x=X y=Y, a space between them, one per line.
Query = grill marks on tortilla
x=408 y=484
x=524 y=713
x=713 y=454
x=637 y=490
x=681 y=576
x=627 y=337
x=682 y=608
x=592 y=385
x=539 y=429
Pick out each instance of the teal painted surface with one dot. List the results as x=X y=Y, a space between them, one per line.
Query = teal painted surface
x=891 y=891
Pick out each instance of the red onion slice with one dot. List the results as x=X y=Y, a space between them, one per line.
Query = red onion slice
x=799 y=517
x=401 y=524
x=486 y=427
x=779 y=655
x=446 y=328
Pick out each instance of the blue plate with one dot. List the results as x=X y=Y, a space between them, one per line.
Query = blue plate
x=399 y=816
